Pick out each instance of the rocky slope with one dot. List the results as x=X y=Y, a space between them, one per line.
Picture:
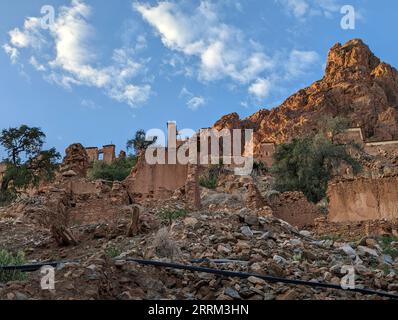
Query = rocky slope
x=356 y=85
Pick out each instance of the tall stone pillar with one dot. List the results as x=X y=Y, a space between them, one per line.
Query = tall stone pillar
x=192 y=191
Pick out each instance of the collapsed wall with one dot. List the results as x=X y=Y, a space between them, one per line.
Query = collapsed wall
x=363 y=199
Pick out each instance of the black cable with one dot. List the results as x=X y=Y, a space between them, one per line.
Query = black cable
x=243 y=275
x=32 y=267
x=231 y=274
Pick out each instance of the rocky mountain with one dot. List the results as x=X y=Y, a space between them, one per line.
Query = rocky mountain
x=357 y=85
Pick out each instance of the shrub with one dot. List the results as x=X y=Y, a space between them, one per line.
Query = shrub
x=386 y=245
x=307 y=164
x=7 y=197
x=164 y=244
x=113 y=252
x=119 y=170
x=208 y=183
x=7 y=259
x=170 y=215
x=259 y=168
x=209 y=179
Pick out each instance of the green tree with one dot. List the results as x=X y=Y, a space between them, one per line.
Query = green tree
x=22 y=141
x=27 y=164
x=116 y=171
x=139 y=142
x=307 y=163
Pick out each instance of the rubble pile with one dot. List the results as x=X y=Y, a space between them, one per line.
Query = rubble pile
x=245 y=242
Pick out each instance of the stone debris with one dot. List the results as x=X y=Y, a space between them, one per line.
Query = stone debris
x=240 y=241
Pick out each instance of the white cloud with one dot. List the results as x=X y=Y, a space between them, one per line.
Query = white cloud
x=221 y=50
x=12 y=52
x=193 y=102
x=75 y=62
x=196 y=102
x=301 y=9
x=299 y=62
x=36 y=64
x=90 y=104
x=261 y=88
x=199 y=39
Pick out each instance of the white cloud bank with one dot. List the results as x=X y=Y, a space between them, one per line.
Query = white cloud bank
x=74 y=62
x=221 y=51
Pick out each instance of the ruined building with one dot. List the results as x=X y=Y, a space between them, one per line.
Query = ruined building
x=106 y=154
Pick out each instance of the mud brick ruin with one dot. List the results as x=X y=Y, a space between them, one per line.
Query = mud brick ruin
x=107 y=152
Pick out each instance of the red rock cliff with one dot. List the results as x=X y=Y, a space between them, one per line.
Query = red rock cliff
x=356 y=85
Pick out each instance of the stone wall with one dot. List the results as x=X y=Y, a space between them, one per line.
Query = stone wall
x=363 y=199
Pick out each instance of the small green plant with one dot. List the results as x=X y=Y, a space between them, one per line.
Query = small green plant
x=386 y=245
x=170 y=215
x=8 y=259
x=209 y=179
x=113 y=252
x=208 y=182
x=332 y=238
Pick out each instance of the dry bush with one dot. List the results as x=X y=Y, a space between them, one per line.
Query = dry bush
x=164 y=245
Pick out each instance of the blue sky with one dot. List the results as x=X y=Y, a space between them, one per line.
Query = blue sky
x=104 y=69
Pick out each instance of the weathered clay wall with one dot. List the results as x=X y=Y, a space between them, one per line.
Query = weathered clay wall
x=93 y=154
x=155 y=181
x=363 y=199
x=108 y=152
x=294 y=208
x=266 y=153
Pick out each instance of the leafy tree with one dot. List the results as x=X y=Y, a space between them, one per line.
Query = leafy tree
x=116 y=171
x=307 y=163
x=22 y=141
x=139 y=142
x=27 y=164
